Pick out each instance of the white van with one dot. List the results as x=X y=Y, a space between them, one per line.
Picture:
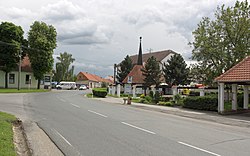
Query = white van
x=66 y=85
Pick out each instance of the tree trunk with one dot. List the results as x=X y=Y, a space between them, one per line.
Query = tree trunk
x=6 y=79
x=38 y=83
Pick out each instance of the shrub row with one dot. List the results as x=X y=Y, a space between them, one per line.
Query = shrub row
x=209 y=103
x=100 y=92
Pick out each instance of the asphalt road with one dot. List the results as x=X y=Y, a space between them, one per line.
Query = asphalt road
x=82 y=126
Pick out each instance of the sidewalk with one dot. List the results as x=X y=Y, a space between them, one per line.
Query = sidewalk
x=241 y=120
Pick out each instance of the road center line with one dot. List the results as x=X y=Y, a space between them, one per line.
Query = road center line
x=138 y=128
x=198 y=148
x=63 y=137
x=75 y=105
x=62 y=100
x=97 y=113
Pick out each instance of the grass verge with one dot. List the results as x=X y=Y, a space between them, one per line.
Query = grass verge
x=6 y=134
x=23 y=90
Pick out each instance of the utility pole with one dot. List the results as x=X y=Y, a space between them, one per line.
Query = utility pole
x=19 y=71
x=115 y=73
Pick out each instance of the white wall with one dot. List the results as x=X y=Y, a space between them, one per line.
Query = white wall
x=165 y=60
x=22 y=80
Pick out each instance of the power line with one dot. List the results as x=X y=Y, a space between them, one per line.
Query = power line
x=22 y=46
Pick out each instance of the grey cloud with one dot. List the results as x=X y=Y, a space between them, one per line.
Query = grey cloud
x=143 y=17
x=74 y=26
x=62 y=11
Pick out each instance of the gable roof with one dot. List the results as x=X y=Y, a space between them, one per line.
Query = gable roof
x=238 y=73
x=92 y=77
x=159 y=55
x=136 y=73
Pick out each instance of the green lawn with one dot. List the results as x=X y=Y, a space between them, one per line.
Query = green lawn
x=6 y=134
x=23 y=90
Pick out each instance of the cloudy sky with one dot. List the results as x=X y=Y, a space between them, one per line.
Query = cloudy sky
x=99 y=33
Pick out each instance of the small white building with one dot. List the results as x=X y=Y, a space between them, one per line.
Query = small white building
x=27 y=78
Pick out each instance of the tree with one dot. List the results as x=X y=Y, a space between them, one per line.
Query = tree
x=124 y=68
x=152 y=72
x=11 y=39
x=175 y=70
x=221 y=43
x=62 y=67
x=42 y=42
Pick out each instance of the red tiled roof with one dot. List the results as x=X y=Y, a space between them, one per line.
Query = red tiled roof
x=238 y=73
x=25 y=66
x=136 y=73
x=159 y=55
x=91 y=77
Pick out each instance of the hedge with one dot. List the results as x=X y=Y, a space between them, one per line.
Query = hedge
x=100 y=92
x=209 y=103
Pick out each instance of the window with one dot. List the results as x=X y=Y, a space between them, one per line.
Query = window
x=11 y=78
x=28 y=79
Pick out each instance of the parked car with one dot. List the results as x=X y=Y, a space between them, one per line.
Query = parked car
x=66 y=85
x=82 y=87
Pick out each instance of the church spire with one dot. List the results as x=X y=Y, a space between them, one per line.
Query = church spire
x=139 y=61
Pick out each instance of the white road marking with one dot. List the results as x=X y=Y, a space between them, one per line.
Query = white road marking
x=63 y=137
x=62 y=100
x=198 y=148
x=97 y=113
x=138 y=128
x=75 y=105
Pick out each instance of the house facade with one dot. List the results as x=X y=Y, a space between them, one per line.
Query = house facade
x=91 y=80
x=135 y=79
x=161 y=57
x=27 y=78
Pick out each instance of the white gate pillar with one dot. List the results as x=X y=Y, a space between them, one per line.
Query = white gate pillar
x=221 y=97
x=246 y=97
x=118 y=90
x=113 y=90
x=110 y=90
x=134 y=91
x=234 y=99
x=202 y=91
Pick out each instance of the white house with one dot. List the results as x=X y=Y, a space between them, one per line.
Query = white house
x=27 y=79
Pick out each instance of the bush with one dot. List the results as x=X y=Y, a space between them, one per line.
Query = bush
x=166 y=103
x=148 y=98
x=142 y=96
x=151 y=94
x=143 y=100
x=100 y=92
x=209 y=103
x=157 y=97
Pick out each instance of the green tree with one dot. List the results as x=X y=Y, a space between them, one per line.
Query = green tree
x=124 y=68
x=58 y=72
x=221 y=43
x=11 y=39
x=42 y=42
x=63 y=71
x=152 y=72
x=175 y=70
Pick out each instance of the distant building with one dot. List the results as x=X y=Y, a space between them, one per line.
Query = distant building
x=27 y=79
x=135 y=78
x=161 y=57
x=93 y=81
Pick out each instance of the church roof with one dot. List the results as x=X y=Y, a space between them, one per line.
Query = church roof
x=159 y=55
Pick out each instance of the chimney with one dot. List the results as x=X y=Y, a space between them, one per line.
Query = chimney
x=139 y=61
